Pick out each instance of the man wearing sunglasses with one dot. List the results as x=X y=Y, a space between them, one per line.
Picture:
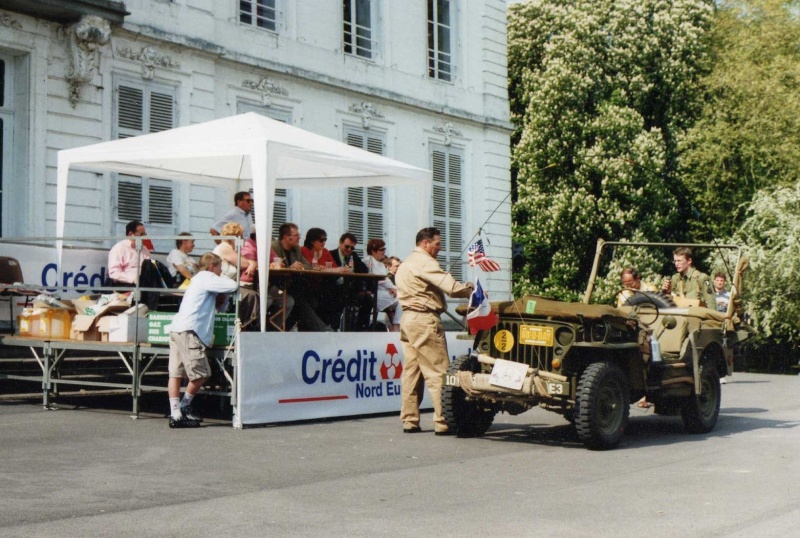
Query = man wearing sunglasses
x=348 y=291
x=346 y=256
x=243 y=202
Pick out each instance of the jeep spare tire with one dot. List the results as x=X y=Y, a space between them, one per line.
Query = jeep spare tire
x=661 y=300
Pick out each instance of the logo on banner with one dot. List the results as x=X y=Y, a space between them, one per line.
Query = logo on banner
x=391 y=370
x=361 y=371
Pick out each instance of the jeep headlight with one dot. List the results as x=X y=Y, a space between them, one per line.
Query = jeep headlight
x=599 y=331
x=565 y=336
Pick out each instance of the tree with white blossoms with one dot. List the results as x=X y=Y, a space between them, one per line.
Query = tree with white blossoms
x=771 y=232
x=600 y=91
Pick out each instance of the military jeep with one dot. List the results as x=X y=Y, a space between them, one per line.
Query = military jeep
x=589 y=362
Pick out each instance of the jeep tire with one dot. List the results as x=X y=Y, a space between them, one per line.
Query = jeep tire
x=700 y=412
x=465 y=418
x=602 y=406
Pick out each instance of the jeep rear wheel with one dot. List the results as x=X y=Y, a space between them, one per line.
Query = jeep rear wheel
x=701 y=411
x=465 y=418
x=603 y=406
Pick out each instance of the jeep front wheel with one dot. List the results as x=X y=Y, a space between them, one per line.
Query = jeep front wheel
x=701 y=411
x=465 y=418
x=602 y=406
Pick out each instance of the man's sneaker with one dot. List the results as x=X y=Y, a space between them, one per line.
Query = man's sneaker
x=188 y=412
x=183 y=422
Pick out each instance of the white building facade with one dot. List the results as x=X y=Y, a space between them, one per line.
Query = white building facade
x=420 y=81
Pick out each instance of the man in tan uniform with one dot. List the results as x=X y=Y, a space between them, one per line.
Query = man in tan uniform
x=421 y=288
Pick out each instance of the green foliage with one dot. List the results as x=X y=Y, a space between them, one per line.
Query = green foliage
x=599 y=91
x=772 y=232
x=748 y=136
x=648 y=261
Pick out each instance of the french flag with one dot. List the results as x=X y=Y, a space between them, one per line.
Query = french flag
x=481 y=316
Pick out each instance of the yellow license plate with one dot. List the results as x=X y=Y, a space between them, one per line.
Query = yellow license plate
x=536 y=335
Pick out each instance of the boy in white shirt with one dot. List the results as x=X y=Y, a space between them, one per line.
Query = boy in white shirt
x=191 y=335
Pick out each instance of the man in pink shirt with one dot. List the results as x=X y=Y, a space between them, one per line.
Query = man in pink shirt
x=125 y=265
x=123 y=261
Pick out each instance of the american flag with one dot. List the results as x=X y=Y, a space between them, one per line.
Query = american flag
x=477 y=256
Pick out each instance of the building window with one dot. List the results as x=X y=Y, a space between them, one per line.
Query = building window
x=139 y=109
x=358 y=28
x=365 y=205
x=447 y=165
x=260 y=13
x=281 y=208
x=440 y=45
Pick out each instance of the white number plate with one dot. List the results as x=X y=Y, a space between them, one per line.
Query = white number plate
x=557 y=388
x=450 y=380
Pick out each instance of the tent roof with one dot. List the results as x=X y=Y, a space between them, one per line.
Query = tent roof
x=249 y=148
x=222 y=149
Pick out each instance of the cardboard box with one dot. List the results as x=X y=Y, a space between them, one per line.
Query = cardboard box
x=122 y=328
x=160 y=323
x=85 y=324
x=84 y=328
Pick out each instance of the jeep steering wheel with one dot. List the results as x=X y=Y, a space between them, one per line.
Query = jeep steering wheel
x=643 y=304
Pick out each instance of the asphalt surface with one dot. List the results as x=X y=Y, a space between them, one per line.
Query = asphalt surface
x=91 y=472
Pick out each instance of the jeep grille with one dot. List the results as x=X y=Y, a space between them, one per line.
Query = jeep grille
x=534 y=356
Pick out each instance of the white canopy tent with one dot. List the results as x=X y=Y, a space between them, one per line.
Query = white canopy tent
x=241 y=150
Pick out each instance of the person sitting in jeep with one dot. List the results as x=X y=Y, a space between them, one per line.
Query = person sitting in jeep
x=631 y=280
x=688 y=282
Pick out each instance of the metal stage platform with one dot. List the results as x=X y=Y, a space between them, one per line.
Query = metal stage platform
x=110 y=365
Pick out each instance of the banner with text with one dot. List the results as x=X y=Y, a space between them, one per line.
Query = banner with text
x=299 y=376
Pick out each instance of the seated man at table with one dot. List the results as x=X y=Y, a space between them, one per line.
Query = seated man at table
x=125 y=264
x=250 y=280
x=287 y=254
x=356 y=293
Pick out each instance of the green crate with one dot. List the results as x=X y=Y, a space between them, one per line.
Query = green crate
x=158 y=324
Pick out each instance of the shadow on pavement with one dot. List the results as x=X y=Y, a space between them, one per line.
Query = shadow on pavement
x=643 y=430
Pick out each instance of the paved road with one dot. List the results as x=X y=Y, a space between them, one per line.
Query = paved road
x=80 y=472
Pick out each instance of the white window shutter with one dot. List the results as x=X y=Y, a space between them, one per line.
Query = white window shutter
x=160 y=209
x=447 y=202
x=130 y=111
x=365 y=205
x=143 y=108
x=129 y=198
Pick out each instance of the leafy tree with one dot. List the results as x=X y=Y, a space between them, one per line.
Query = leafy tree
x=748 y=136
x=771 y=231
x=601 y=91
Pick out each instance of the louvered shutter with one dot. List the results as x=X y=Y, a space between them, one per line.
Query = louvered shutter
x=159 y=198
x=142 y=109
x=447 y=213
x=365 y=205
x=129 y=198
x=130 y=112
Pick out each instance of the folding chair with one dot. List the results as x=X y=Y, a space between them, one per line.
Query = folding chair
x=11 y=273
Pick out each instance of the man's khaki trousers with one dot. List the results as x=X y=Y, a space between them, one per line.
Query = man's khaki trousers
x=425 y=359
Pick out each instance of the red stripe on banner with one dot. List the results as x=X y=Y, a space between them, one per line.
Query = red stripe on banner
x=317 y=399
